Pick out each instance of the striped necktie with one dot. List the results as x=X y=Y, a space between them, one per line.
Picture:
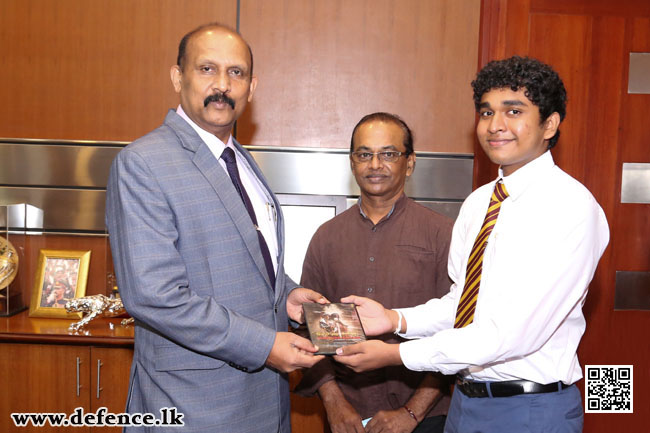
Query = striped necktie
x=467 y=303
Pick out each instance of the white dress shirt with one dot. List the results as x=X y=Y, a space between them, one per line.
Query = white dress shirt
x=537 y=266
x=262 y=203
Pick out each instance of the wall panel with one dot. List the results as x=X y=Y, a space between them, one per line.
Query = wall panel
x=629 y=8
x=605 y=88
x=99 y=70
x=93 y=70
x=323 y=65
x=504 y=32
x=632 y=220
x=548 y=36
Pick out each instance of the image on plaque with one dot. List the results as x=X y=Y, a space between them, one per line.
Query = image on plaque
x=332 y=326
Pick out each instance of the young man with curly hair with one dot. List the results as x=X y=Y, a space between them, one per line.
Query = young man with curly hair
x=524 y=249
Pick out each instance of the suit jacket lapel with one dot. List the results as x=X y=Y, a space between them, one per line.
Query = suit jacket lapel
x=222 y=185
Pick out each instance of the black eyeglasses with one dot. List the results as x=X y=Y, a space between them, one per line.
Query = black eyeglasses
x=386 y=156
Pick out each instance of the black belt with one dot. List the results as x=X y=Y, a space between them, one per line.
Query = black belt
x=506 y=389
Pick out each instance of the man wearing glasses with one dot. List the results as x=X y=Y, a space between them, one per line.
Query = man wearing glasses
x=392 y=250
x=524 y=250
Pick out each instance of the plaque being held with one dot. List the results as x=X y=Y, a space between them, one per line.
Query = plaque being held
x=332 y=326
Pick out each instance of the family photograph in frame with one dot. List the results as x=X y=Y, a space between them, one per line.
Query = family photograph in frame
x=60 y=276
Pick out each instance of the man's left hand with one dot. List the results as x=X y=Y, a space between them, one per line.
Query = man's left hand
x=296 y=299
x=291 y=352
x=391 y=421
x=369 y=355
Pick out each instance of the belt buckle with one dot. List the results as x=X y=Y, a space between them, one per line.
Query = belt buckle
x=467 y=388
x=463 y=383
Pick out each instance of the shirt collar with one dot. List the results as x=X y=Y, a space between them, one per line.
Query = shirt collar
x=216 y=146
x=517 y=183
x=398 y=206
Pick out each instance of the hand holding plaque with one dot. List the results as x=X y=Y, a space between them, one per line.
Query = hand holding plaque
x=376 y=319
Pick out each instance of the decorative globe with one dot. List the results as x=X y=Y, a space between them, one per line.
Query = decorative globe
x=8 y=263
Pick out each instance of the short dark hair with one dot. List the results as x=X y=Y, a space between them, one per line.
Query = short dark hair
x=386 y=118
x=543 y=86
x=182 y=46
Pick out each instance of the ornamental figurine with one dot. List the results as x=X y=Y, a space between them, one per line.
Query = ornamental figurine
x=96 y=305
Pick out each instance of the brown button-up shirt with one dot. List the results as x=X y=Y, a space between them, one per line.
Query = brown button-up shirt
x=400 y=262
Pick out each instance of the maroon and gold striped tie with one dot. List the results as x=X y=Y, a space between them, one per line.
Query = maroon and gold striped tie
x=467 y=303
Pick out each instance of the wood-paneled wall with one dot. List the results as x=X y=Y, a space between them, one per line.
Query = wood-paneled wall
x=588 y=42
x=325 y=64
x=93 y=70
x=99 y=70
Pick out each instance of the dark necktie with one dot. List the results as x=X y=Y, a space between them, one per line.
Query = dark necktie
x=228 y=156
x=467 y=303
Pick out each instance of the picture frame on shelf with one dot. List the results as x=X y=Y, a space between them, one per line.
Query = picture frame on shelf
x=61 y=275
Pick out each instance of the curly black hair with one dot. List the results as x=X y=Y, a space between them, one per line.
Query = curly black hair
x=543 y=86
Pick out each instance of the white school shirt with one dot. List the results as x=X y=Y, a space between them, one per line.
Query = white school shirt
x=261 y=201
x=538 y=262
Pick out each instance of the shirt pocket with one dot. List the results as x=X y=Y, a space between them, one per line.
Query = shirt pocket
x=415 y=270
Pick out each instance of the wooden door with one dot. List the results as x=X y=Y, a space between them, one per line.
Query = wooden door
x=109 y=379
x=588 y=42
x=43 y=378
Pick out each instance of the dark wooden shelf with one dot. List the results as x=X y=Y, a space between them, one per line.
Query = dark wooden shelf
x=102 y=331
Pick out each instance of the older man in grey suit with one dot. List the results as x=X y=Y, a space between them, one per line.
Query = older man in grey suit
x=199 y=260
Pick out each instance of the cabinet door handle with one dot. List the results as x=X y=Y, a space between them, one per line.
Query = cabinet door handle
x=99 y=367
x=78 y=367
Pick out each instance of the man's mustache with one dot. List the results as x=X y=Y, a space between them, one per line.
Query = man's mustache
x=219 y=97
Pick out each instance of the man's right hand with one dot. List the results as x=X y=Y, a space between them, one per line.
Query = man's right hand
x=376 y=319
x=342 y=417
x=290 y=352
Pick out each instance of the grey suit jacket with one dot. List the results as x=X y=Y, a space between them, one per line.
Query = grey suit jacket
x=190 y=271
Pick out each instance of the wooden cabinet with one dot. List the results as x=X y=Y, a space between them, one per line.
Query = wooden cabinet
x=109 y=378
x=307 y=414
x=41 y=378
x=46 y=369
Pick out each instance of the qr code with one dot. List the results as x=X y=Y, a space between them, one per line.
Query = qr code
x=608 y=389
